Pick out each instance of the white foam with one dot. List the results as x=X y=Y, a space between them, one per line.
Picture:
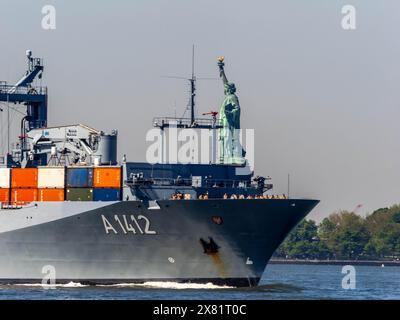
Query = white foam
x=57 y=285
x=149 y=284
x=73 y=285
x=170 y=285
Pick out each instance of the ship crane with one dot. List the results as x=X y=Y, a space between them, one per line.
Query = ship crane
x=357 y=208
x=85 y=145
x=213 y=114
x=35 y=100
x=35 y=69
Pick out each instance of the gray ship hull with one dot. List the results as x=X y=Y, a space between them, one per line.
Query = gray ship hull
x=225 y=242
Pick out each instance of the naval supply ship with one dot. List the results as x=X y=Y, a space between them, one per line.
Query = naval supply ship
x=67 y=203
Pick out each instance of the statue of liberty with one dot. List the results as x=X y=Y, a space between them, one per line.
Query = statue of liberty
x=230 y=149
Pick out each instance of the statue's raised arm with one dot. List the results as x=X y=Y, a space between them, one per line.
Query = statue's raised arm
x=221 y=65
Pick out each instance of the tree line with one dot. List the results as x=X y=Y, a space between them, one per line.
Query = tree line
x=346 y=235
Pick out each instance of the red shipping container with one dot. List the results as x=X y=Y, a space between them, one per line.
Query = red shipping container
x=4 y=195
x=24 y=195
x=24 y=177
x=51 y=195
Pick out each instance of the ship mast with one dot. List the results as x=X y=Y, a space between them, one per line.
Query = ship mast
x=192 y=92
x=191 y=122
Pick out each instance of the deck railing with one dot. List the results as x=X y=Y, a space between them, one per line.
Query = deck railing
x=205 y=183
x=165 y=122
x=10 y=89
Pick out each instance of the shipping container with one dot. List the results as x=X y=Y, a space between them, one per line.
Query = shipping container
x=51 y=177
x=4 y=195
x=24 y=177
x=79 y=177
x=106 y=194
x=24 y=195
x=79 y=194
x=51 y=195
x=107 y=177
x=5 y=177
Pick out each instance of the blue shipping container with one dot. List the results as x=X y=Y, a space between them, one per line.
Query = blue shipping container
x=106 y=194
x=79 y=177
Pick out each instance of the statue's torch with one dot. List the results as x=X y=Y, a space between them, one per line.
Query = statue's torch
x=221 y=63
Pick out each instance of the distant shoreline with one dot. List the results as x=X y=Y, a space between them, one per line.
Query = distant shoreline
x=336 y=262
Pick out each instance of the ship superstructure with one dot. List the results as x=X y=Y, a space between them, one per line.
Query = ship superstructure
x=67 y=202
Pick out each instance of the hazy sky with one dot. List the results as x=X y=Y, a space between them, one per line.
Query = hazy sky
x=324 y=102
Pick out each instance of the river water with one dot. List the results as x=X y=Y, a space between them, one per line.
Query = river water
x=280 y=281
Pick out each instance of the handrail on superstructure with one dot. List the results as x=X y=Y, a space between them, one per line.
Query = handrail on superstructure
x=186 y=123
x=206 y=183
x=12 y=89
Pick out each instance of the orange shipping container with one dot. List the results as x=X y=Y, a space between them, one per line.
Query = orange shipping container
x=4 y=195
x=24 y=178
x=107 y=177
x=24 y=195
x=51 y=195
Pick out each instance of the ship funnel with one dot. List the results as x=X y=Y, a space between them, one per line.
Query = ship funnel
x=106 y=153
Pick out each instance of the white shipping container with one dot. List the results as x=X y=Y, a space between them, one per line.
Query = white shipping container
x=51 y=177
x=5 y=177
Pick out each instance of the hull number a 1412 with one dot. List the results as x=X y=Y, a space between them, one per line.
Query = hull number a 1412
x=127 y=224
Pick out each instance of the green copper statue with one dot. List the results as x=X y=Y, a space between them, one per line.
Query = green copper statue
x=230 y=150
